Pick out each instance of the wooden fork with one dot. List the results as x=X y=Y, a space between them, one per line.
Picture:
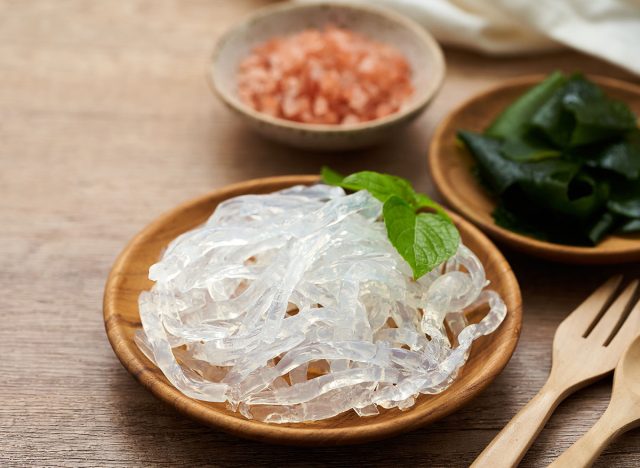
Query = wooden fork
x=622 y=414
x=587 y=345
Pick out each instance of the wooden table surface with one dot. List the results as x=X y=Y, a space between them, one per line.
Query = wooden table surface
x=106 y=121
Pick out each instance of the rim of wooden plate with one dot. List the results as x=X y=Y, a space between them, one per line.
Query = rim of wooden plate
x=128 y=278
x=450 y=166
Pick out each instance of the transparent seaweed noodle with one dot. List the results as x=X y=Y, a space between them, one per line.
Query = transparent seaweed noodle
x=294 y=306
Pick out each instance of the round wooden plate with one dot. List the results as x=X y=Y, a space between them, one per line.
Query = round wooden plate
x=451 y=165
x=128 y=278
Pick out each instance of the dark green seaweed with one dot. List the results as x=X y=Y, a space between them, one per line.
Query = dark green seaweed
x=564 y=162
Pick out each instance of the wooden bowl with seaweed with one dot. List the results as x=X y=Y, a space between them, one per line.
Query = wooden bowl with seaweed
x=468 y=187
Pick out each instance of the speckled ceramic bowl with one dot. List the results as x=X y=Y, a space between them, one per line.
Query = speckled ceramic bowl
x=418 y=46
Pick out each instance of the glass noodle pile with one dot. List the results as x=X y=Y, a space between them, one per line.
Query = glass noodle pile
x=294 y=306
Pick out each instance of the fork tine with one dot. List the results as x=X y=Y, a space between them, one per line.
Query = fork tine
x=629 y=330
x=586 y=313
x=613 y=314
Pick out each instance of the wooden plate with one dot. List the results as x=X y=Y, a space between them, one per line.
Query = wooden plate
x=451 y=172
x=128 y=278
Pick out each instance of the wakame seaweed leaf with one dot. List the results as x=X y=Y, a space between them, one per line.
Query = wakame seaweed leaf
x=593 y=109
x=563 y=161
x=625 y=199
x=579 y=113
x=601 y=227
x=622 y=157
x=630 y=226
x=508 y=219
x=527 y=149
x=553 y=121
x=559 y=188
x=515 y=119
x=499 y=173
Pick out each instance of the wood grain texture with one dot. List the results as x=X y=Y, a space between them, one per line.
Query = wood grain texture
x=450 y=166
x=107 y=122
x=129 y=277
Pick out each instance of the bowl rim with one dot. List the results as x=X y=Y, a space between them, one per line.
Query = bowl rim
x=435 y=82
x=300 y=433
x=547 y=250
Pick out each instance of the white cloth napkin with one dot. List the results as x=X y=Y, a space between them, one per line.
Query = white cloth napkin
x=609 y=29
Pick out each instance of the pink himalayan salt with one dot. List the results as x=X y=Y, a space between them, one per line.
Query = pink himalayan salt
x=329 y=76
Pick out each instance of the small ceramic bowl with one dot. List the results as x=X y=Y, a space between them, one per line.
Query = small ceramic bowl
x=419 y=47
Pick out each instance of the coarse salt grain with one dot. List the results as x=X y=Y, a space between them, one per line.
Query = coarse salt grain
x=329 y=76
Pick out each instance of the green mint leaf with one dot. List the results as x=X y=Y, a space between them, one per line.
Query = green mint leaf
x=424 y=240
x=424 y=202
x=381 y=186
x=331 y=177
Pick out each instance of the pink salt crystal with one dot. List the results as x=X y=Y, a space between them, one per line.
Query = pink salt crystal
x=320 y=106
x=269 y=104
x=358 y=99
x=329 y=76
x=350 y=119
x=382 y=110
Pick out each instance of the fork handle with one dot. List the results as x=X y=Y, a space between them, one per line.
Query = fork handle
x=511 y=444
x=585 y=451
x=615 y=420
